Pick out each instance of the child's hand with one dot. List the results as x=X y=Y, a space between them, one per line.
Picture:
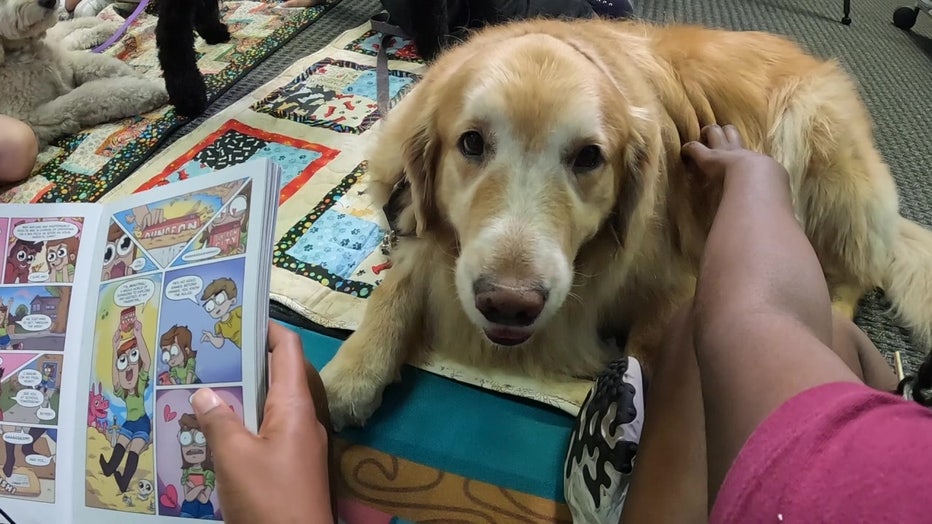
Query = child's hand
x=279 y=475
x=721 y=150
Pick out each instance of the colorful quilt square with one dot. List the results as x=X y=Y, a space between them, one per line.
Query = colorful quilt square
x=235 y=143
x=333 y=240
x=397 y=49
x=337 y=242
x=334 y=94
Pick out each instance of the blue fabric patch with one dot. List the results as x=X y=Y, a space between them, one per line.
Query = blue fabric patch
x=365 y=86
x=292 y=160
x=337 y=242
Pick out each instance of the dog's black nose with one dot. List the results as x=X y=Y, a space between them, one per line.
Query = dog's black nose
x=48 y=4
x=509 y=306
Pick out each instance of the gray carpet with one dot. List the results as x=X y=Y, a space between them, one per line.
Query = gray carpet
x=893 y=67
x=894 y=70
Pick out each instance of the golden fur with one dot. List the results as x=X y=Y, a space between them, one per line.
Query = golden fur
x=617 y=247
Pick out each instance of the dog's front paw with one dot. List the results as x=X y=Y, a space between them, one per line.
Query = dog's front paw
x=214 y=34
x=353 y=395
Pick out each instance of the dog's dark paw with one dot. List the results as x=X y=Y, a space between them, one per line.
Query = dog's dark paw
x=188 y=94
x=214 y=34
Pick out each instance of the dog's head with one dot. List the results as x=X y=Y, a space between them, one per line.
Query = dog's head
x=24 y=20
x=525 y=148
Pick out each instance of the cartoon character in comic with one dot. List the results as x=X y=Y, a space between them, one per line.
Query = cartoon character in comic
x=219 y=298
x=119 y=253
x=47 y=384
x=144 y=490
x=6 y=329
x=97 y=408
x=198 y=479
x=131 y=364
x=61 y=256
x=22 y=254
x=179 y=356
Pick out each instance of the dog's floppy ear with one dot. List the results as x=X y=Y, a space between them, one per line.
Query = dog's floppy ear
x=639 y=172
x=420 y=155
x=403 y=163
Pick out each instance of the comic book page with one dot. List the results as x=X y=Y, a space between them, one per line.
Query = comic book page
x=174 y=312
x=46 y=254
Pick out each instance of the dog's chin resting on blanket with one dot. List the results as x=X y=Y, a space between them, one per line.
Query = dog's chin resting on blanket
x=59 y=91
x=548 y=208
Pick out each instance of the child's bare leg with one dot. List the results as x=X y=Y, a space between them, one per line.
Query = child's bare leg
x=19 y=149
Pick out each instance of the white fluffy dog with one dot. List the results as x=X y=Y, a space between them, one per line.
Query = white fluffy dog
x=59 y=91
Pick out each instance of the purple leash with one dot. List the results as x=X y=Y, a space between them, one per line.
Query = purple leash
x=123 y=28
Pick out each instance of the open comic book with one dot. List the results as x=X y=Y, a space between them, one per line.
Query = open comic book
x=111 y=316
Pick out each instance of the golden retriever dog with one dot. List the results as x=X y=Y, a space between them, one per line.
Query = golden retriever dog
x=545 y=204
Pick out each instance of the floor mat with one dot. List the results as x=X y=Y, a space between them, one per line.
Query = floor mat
x=314 y=120
x=85 y=166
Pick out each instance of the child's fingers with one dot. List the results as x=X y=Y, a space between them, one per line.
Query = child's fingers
x=733 y=136
x=712 y=136
x=695 y=152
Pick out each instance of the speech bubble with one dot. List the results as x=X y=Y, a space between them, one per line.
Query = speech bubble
x=45 y=413
x=134 y=292
x=35 y=322
x=183 y=288
x=30 y=398
x=38 y=460
x=29 y=378
x=201 y=254
x=138 y=264
x=39 y=276
x=44 y=231
x=238 y=205
x=17 y=438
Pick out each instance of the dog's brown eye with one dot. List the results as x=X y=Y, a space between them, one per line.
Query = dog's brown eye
x=588 y=158
x=472 y=144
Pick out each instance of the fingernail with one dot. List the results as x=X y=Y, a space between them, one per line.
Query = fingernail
x=204 y=400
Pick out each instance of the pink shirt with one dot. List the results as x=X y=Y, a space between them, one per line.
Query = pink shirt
x=837 y=453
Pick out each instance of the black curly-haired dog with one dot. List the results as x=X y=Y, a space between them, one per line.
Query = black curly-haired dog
x=174 y=36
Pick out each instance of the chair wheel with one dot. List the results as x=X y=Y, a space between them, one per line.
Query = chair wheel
x=905 y=17
x=846 y=20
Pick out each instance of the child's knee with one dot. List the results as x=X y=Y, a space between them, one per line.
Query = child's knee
x=19 y=149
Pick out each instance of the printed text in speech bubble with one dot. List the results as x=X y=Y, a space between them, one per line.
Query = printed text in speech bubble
x=35 y=322
x=39 y=276
x=29 y=378
x=44 y=231
x=134 y=292
x=30 y=398
x=184 y=288
x=17 y=438
x=45 y=414
x=38 y=460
